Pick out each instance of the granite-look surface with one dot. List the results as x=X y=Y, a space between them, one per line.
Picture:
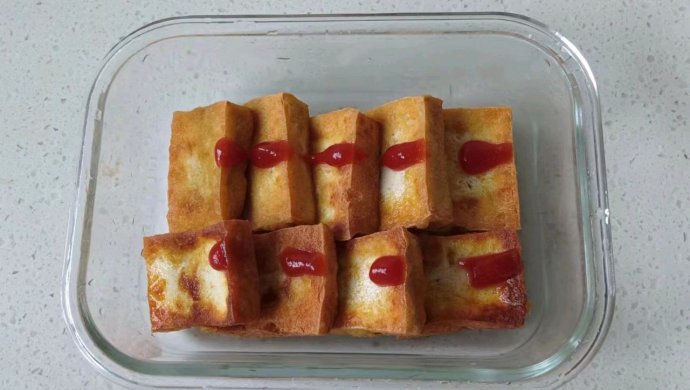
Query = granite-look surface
x=639 y=52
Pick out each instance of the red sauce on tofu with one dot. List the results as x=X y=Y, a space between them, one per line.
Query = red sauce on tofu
x=229 y=154
x=270 y=154
x=487 y=270
x=477 y=157
x=296 y=262
x=218 y=257
x=338 y=155
x=402 y=156
x=388 y=271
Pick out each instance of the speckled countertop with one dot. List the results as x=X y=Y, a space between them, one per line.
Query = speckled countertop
x=639 y=52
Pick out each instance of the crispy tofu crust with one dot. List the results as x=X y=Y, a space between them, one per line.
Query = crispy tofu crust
x=283 y=195
x=366 y=309
x=451 y=303
x=348 y=196
x=293 y=306
x=185 y=291
x=417 y=196
x=199 y=192
x=487 y=201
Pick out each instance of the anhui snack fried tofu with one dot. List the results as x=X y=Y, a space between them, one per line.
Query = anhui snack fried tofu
x=281 y=192
x=381 y=285
x=414 y=182
x=481 y=168
x=473 y=281
x=202 y=278
x=297 y=274
x=208 y=153
x=345 y=151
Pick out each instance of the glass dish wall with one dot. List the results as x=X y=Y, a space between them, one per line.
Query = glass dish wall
x=332 y=62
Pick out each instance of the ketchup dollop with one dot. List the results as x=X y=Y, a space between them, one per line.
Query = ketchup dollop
x=218 y=257
x=338 y=155
x=401 y=156
x=479 y=156
x=486 y=270
x=229 y=154
x=296 y=262
x=388 y=271
x=271 y=153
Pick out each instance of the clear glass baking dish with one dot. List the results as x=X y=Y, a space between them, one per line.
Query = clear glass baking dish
x=332 y=62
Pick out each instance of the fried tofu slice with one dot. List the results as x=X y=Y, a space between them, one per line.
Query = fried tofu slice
x=481 y=166
x=381 y=285
x=473 y=281
x=200 y=191
x=202 y=278
x=347 y=195
x=281 y=195
x=297 y=278
x=418 y=195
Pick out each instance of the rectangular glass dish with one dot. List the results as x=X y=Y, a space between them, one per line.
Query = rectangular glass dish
x=332 y=62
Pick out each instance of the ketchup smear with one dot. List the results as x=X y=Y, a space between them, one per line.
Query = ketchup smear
x=478 y=156
x=338 y=155
x=296 y=262
x=483 y=271
x=405 y=155
x=388 y=271
x=270 y=154
x=218 y=257
x=229 y=153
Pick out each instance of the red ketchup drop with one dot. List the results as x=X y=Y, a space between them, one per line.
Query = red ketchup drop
x=338 y=155
x=270 y=154
x=388 y=271
x=483 y=271
x=296 y=262
x=405 y=155
x=478 y=156
x=218 y=257
x=229 y=153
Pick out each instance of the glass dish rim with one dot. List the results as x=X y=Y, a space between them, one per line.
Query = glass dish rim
x=72 y=291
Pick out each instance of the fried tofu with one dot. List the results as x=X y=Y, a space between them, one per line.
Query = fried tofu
x=298 y=294
x=348 y=195
x=417 y=196
x=486 y=200
x=281 y=195
x=200 y=193
x=494 y=297
x=366 y=308
x=184 y=288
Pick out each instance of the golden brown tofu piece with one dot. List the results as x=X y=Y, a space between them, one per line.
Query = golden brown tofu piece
x=417 y=196
x=347 y=195
x=200 y=193
x=486 y=197
x=473 y=281
x=202 y=278
x=281 y=195
x=297 y=278
x=380 y=285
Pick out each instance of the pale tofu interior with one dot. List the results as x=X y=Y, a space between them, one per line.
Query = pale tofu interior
x=404 y=193
x=201 y=180
x=165 y=277
x=268 y=191
x=328 y=184
x=169 y=269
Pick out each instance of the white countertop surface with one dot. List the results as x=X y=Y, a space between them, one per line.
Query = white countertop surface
x=639 y=51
